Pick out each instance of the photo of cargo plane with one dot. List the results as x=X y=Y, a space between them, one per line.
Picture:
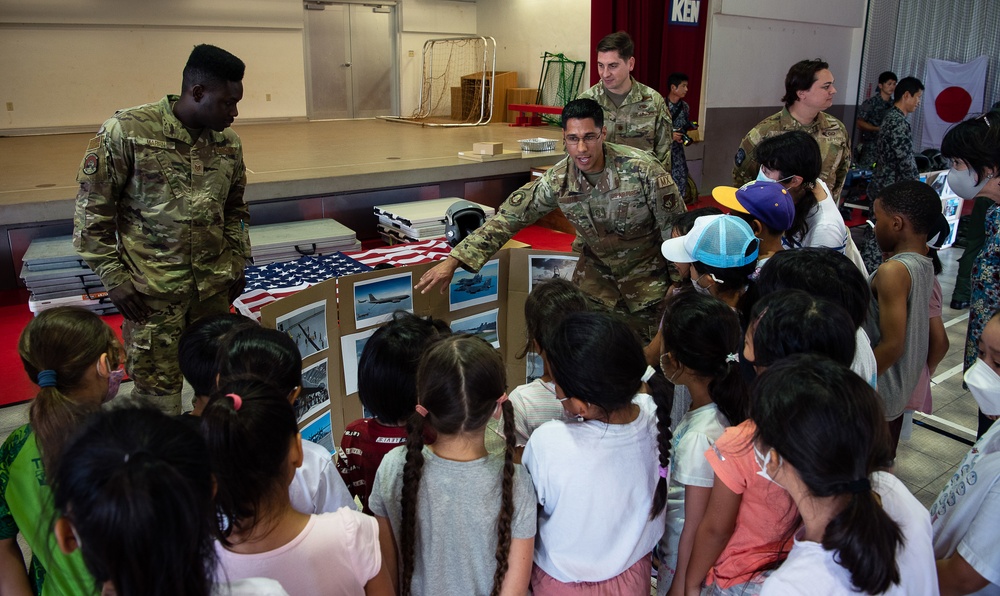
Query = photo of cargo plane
x=390 y=300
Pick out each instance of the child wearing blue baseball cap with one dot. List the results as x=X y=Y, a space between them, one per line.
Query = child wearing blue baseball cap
x=766 y=206
x=722 y=250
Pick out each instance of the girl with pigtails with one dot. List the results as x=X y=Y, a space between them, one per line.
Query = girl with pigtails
x=75 y=359
x=821 y=434
x=436 y=502
x=601 y=479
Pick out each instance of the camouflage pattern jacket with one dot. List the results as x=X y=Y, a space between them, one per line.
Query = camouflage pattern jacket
x=159 y=209
x=873 y=111
x=894 y=161
x=830 y=133
x=642 y=121
x=620 y=223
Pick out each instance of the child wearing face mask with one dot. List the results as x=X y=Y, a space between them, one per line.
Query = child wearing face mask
x=76 y=361
x=967 y=510
x=766 y=206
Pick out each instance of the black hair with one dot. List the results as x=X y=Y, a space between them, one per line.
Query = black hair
x=582 y=109
x=248 y=439
x=704 y=335
x=936 y=237
x=801 y=77
x=546 y=305
x=137 y=489
x=620 y=42
x=675 y=79
x=830 y=426
x=597 y=358
x=750 y=218
x=821 y=272
x=387 y=370
x=208 y=65
x=911 y=85
x=975 y=141
x=459 y=381
x=685 y=221
x=794 y=153
x=887 y=76
x=913 y=200
x=267 y=354
x=790 y=322
x=198 y=348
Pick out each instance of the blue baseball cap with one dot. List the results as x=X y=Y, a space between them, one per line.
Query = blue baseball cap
x=723 y=241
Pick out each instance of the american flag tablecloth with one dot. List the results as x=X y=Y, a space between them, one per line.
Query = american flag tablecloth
x=267 y=283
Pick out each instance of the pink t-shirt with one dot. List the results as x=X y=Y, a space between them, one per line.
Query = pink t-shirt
x=764 y=524
x=335 y=554
x=921 y=398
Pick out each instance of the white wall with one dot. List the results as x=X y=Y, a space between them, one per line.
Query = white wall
x=526 y=29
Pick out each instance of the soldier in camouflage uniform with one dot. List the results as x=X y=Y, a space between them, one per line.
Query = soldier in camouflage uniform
x=871 y=113
x=808 y=91
x=894 y=160
x=636 y=115
x=621 y=202
x=160 y=216
x=680 y=115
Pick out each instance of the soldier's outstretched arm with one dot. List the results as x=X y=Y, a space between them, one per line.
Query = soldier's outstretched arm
x=439 y=274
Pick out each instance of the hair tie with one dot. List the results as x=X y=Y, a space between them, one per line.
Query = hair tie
x=422 y=410
x=664 y=472
x=502 y=399
x=47 y=378
x=646 y=376
x=862 y=485
x=237 y=401
x=734 y=357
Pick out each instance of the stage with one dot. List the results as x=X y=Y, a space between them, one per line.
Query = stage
x=296 y=170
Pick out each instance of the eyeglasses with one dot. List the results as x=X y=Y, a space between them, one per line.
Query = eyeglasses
x=588 y=139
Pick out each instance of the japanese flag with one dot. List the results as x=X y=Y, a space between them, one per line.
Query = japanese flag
x=953 y=93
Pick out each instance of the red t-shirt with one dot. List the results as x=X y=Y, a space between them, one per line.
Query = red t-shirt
x=365 y=443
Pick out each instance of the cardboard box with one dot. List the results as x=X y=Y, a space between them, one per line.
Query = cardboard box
x=490 y=148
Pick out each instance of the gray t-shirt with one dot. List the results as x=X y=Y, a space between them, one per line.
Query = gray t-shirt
x=897 y=383
x=457 y=507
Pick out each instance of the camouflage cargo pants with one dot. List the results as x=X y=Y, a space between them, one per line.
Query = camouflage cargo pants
x=645 y=322
x=151 y=348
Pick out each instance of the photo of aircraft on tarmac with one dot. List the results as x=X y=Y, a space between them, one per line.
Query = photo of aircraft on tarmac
x=469 y=289
x=377 y=299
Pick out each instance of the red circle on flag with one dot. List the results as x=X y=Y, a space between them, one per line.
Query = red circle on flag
x=952 y=104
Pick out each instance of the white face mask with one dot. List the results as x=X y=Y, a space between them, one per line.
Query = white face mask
x=762 y=461
x=963 y=183
x=762 y=177
x=984 y=384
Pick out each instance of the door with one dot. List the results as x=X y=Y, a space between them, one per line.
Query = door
x=350 y=60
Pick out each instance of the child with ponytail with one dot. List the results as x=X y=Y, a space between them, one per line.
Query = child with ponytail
x=76 y=361
x=437 y=502
x=255 y=447
x=701 y=342
x=602 y=490
x=821 y=434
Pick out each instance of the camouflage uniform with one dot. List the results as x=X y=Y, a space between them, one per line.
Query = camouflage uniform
x=620 y=224
x=642 y=121
x=872 y=111
x=167 y=213
x=830 y=133
x=680 y=114
x=894 y=159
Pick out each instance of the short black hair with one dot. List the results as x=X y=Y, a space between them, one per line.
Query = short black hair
x=911 y=85
x=582 y=109
x=801 y=77
x=199 y=345
x=913 y=200
x=975 y=141
x=795 y=322
x=812 y=270
x=546 y=305
x=209 y=65
x=887 y=76
x=618 y=41
x=685 y=221
x=265 y=354
x=675 y=79
x=387 y=369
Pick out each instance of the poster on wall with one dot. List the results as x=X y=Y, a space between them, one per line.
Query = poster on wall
x=472 y=289
x=315 y=394
x=320 y=431
x=482 y=325
x=307 y=327
x=351 y=347
x=375 y=300
x=543 y=267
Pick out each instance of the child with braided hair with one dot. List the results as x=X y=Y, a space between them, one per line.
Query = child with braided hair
x=436 y=502
x=602 y=490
